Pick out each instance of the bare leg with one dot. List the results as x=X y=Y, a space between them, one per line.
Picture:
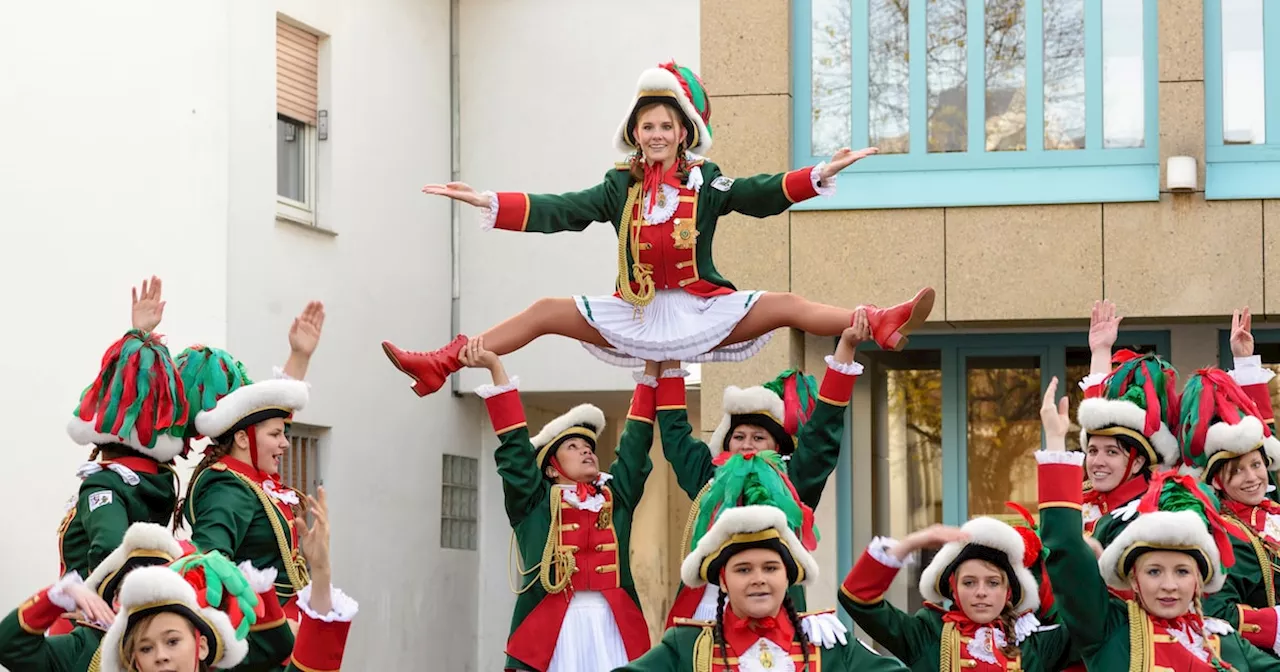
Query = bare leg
x=557 y=316
x=775 y=310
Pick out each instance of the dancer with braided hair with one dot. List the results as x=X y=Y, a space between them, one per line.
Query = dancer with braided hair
x=576 y=606
x=1174 y=551
x=664 y=203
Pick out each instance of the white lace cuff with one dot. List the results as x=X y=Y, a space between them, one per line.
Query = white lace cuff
x=825 y=188
x=645 y=379
x=850 y=369
x=1060 y=457
x=1091 y=380
x=489 y=215
x=675 y=373
x=260 y=580
x=489 y=390
x=1249 y=371
x=879 y=550
x=344 y=608
x=57 y=593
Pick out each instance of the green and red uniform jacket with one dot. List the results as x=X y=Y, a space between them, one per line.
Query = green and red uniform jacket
x=690 y=646
x=600 y=542
x=815 y=457
x=1248 y=599
x=1105 y=630
x=678 y=250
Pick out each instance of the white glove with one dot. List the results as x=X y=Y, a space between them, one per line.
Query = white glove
x=1126 y=512
x=824 y=629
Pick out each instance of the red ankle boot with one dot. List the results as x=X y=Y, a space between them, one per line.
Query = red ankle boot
x=890 y=326
x=428 y=370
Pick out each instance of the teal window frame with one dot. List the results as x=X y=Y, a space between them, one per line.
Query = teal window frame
x=1240 y=171
x=978 y=177
x=1226 y=361
x=1050 y=347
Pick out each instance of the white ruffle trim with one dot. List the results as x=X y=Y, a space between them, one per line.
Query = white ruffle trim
x=645 y=379
x=58 y=592
x=286 y=496
x=826 y=188
x=780 y=660
x=850 y=369
x=663 y=208
x=489 y=215
x=985 y=642
x=879 y=550
x=344 y=608
x=1074 y=457
x=825 y=629
x=675 y=373
x=594 y=503
x=1091 y=380
x=90 y=468
x=1191 y=641
x=260 y=580
x=1025 y=626
x=489 y=390
x=1249 y=371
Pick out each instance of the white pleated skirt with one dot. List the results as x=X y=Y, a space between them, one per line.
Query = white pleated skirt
x=589 y=637
x=676 y=326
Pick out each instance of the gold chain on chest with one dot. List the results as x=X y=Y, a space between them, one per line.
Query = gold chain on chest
x=298 y=575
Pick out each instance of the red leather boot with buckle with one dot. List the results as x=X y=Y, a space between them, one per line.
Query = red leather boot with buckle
x=890 y=326
x=429 y=370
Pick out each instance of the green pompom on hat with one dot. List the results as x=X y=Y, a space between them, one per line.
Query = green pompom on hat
x=677 y=85
x=136 y=400
x=754 y=479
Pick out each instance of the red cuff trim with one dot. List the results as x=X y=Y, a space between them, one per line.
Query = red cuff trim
x=272 y=613
x=836 y=388
x=1093 y=391
x=670 y=395
x=1258 y=626
x=1061 y=485
x=513 y=211
x=38 y=613
x=319 y=646
x=797 y=185
x=644 y=406
x=1261 y=396
x=869 y=580
x=506 y=412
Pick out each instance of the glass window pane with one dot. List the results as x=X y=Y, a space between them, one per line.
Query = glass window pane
x=947 y=73
x=832 y=76
x=1243 y=91
x=1003 y=413
x=1122 y=74
x=1064 y=117
x=1006 y=75
x=889 y=72
x=290 y=159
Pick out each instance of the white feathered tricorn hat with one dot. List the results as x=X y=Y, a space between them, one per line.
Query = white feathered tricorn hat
x=992 y=541
x=742 y=528
x=584 y=421
x=677 y=85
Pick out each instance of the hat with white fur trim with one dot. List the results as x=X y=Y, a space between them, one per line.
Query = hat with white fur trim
x=676 y=85
x=1220 y=422
x=144 y=545
x=743 y=528
x=250 y=404
x=1139 y=404
x=780 y=406
x=583 y=421
x=992 y=541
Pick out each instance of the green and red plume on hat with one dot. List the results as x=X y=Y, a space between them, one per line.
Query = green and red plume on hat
x=209 y=374
x=1212 y=397
x=1171 y=491
x=1033 y=552
x=693 y=89
x=1150 y=382
x=137 y=393
x=220 y=584
x=751 y=478
x=799 y=394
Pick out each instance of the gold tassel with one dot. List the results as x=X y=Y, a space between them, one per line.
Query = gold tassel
x=643 y=272
x=949 y=654
x=1139 y=638
x=557 y=565
x=702 y=651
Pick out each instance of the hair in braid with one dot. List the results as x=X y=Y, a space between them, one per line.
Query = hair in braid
x=212 y=454
x=1007 y=620
x=801 y=637
x=717 y=634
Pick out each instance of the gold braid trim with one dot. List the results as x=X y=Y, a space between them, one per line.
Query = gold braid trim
x=1264 y=559
x=627 y=238
x=949 y=654
x=686 y=540
x=702 y=651
x=554 y=563
x=298 y=575
x=1141 y=645
x=95 y=665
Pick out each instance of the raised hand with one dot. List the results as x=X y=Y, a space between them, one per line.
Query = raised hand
x=304 y=335
x=1054 y=417
x=148 y=308
x=844 y=158
x=856 y=333
x=933 y=536
x=94 y=608
x=1242 y=333
x=475 y=356
x=314 y=538
x=1104 y=326
x=458 y=191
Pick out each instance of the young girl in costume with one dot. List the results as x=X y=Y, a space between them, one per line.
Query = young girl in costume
x=1127 y=420
x=752 y=555
x=664 y=202
x=787 y=415
x=194 y=615
x=576 y=608
x=983 y=570
x=1174 y=551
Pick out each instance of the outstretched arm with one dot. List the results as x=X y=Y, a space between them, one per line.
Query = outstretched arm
x=523 y=486
x=304 y=336
x=538 y=213
x=631 y=468
x=818 y=441
x=23 y=645
x=689 y=457
x=767 y=195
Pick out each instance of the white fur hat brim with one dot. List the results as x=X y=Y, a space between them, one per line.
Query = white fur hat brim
x=660 y=79
x=1175 y=530
x=83 y=433
x=738 y=401
x=745 y=520
x=159 y=585
x=1097 y=413
x=1240 y=439
x=993 y=534
x=282 y=394
x=583 y=415
x=140 y=540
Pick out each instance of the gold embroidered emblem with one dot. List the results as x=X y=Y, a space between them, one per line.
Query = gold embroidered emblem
x=684 y=233
x=766 y=657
